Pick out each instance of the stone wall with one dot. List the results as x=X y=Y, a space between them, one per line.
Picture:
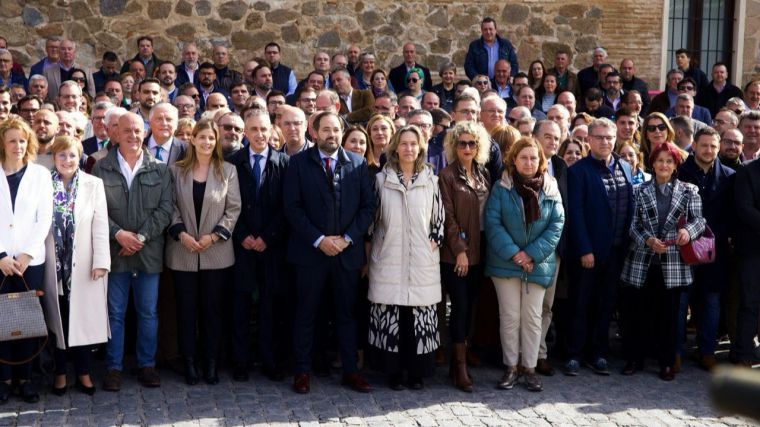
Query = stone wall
x=442 y=29
x=751 y=52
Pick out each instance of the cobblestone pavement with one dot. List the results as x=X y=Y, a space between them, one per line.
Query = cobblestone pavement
x=585 y=400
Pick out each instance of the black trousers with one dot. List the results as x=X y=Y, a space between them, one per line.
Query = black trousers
x=749 y=305
x=463 y=292
x=19 y=350
x=649 y=317
x=266 y=273
x=80 y=355
x=310 y=284
x=592 y=295
x=199 y=308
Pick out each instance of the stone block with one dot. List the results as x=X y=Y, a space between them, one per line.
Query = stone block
x=32 y=16
x=329 y=39
x=538 y=27
x=438 y=18
x=183 y=32
x=10 y=9
x=310 y=8
x=371 y=19
x=203 y=7
x=50 y=30
x=281 y=16
x=233 y=10
x=80 y=10
x=159 y=9
x=515 y=13
x=112 y=7
x=183 y=8
x=572 y=10
x=290 y=34
x=218 y=26
x=254 y=20
x=261 y=5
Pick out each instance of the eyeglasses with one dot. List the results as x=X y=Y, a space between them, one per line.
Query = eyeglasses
x=731 y=142
x=495 y=111
x=512 y=120
x=185 y=106
x=473 y=112
x=690 y=87
x=662 y=127
x=412 y=80
x=481 y=82
x=79 y=79
x=195 y=95
x=738 y=112
x=424 y=126
x=229 y=128
x=467 y=144
x=719 y=122
x=608 y=138
x=443 y=125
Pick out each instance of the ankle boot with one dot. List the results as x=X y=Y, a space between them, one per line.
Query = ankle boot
x=212 y=376
x=462 y=379
x=191 y=375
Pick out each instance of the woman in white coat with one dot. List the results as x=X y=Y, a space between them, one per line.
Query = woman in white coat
x=26 y=209
x=404 y=267
x=75 y=278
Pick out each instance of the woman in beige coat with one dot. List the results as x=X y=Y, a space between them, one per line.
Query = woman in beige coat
x=76 y=302
x=206 y=208
x=404 y=269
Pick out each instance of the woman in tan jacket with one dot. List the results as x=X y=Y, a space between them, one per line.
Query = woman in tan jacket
x=206 y=207
x=464 y=190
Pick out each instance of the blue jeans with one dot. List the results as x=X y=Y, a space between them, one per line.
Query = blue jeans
x=145 y=293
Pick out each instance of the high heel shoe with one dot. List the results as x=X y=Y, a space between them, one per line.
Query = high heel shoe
x=90 y=391
x=58 y=391
x=191 y=375
x=212 y=376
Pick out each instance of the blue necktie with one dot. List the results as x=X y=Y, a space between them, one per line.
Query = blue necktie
x=159 y=149
x=257 y=171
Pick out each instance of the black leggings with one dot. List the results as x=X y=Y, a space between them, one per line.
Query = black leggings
x=463 y=292
x=80 y=355
x=21 y=349
x=199 y=293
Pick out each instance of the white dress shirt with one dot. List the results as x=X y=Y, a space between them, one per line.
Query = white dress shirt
x=129 y=174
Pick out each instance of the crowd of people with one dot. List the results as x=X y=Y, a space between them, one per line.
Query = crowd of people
x=346 y=208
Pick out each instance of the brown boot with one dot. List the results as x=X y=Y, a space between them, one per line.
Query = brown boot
x=462 y=379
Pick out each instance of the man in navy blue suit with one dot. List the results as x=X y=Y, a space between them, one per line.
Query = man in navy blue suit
x=329 y=203
x=600 y=210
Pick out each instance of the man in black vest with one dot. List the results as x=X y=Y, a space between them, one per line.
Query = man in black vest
x=283 y=77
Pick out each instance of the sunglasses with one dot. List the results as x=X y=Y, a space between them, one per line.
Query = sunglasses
x=412 y=80
x=481 y=82
x=467 y=144
x=195 y=95
x=686 y=88
x=79 y=79
x=662 y=127
x=231 y=128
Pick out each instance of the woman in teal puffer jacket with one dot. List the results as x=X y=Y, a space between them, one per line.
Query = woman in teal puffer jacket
x=523 y=223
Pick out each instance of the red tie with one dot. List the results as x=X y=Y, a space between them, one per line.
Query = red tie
x=328 y=169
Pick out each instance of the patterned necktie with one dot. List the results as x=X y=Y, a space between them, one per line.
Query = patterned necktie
x=328 y=169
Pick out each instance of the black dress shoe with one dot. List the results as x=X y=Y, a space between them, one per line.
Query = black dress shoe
x=240 y=373
x=29 y=392
x=667 y=373
x=191 y=374
x=90 y=391
x=58 y=391
x=5 y=392
x=415 y=383
x=631 y=368
x=396 y=382
x=273 y=373
x=212 y=376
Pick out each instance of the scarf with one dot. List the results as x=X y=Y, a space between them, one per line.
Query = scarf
x=528 y=189
x=63 y=228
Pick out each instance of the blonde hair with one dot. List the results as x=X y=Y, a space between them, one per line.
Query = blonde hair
x=370 y=146
x=505 y=135
x=525 y=142
x=474 y=129
x=191 y=158
x=392 y=155
x=15 y=122
x=65 y=142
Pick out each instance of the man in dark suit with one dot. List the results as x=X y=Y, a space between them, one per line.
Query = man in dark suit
x=109 y=69
x=600 y=210
x=549 y=134
x=329 y=203
x=161 y=143
x=397 y=76
x=207 y=84
x=259 y=241
x=99 y=139
x=187 y=70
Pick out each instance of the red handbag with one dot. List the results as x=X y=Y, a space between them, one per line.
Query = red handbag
x=700 y=250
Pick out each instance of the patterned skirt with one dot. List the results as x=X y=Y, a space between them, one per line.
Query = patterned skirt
x=384 y=331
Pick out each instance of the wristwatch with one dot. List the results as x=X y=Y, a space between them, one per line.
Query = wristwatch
x=141 y=238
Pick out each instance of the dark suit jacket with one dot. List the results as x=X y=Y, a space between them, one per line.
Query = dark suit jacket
x=361 y=106
x=311 y=207
x=90 y=145
x=182 y=76
x=748 y=208
x=177 y=152
x=38 y=68
x=589 y=210
x=217 y=89
x=560 y=174
x=397 y=77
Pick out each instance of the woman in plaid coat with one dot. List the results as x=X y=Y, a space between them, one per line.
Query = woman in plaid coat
x=653 y=273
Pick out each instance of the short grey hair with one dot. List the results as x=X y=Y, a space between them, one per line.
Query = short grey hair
x=602 y=122
x=102 y=105
x=685 y=96
x=334 y=98
x=72 y=84
x=674 y=71
x=684 y=123
x=602 y=50
x=113 y=114
x=418 y=112
x=38 y=77
x=523 y=111
x=165 y=106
